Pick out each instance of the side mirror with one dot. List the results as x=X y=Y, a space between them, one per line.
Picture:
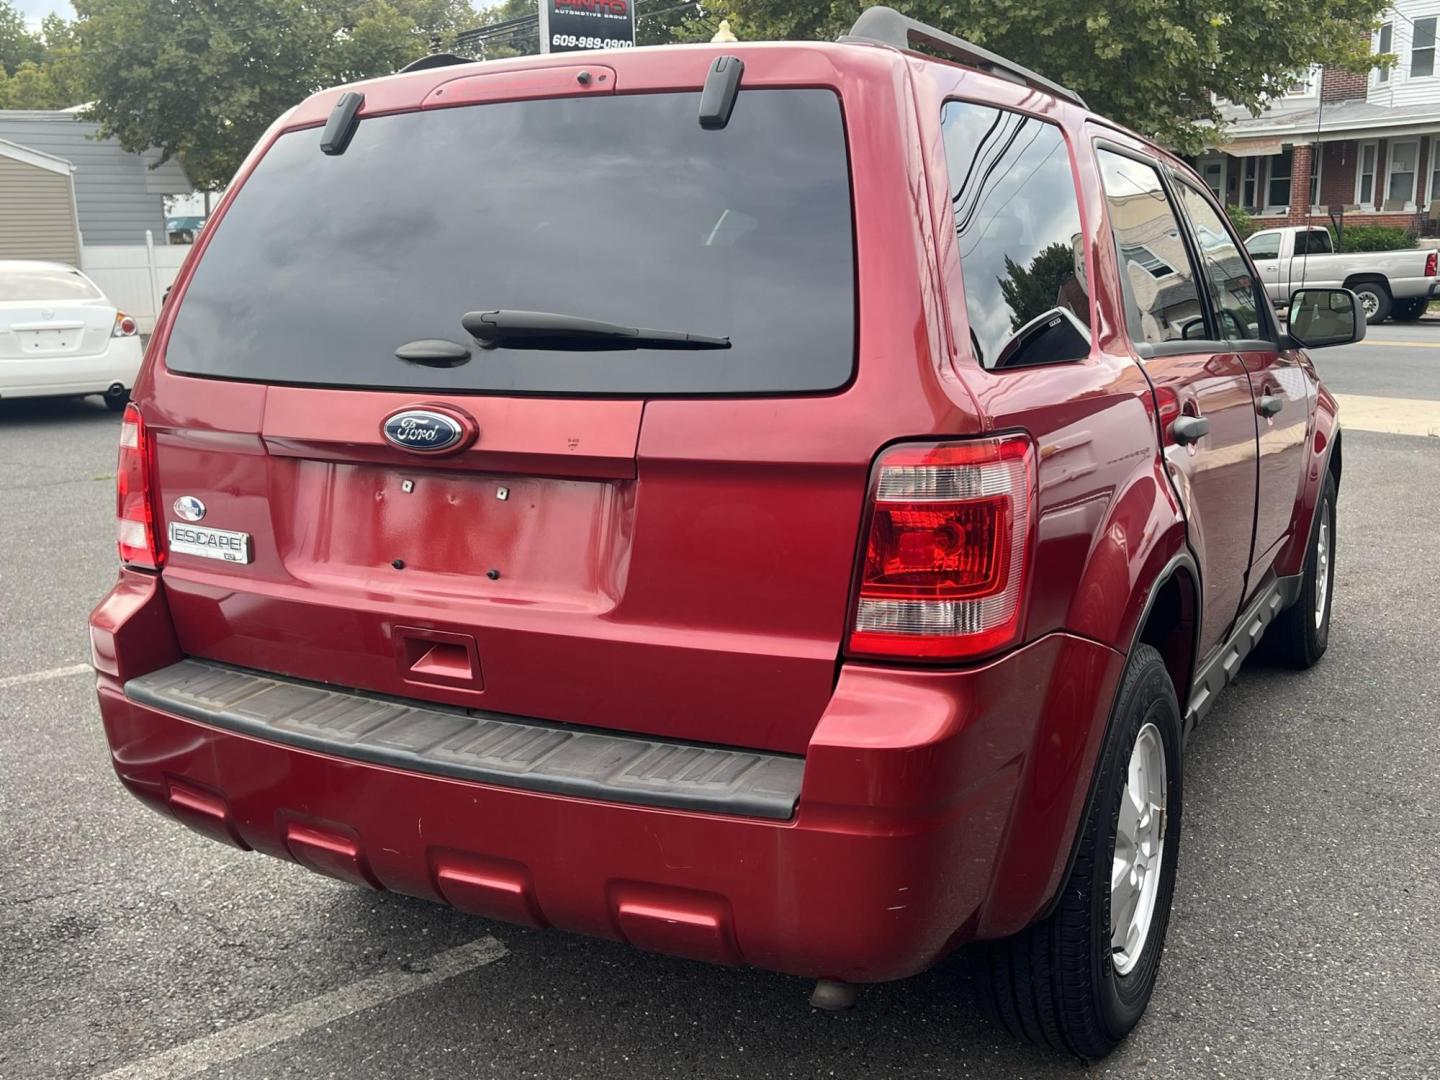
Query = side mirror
x=1320 y=318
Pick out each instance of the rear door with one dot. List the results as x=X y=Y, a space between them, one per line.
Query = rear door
x=568 y=559
x=1280 y=385
x=1202 y=388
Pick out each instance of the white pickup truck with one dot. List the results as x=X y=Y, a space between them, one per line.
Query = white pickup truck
x=1391 y=284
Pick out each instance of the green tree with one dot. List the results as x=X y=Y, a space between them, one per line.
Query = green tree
x=1157 y=67
x=48 y=75
x=202 y=79
x=1033 y=290
x=17 y=44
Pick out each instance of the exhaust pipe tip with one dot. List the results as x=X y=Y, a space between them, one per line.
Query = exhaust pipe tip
x=832 y=995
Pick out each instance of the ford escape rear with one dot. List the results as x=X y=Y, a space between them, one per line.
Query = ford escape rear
x=758 y=503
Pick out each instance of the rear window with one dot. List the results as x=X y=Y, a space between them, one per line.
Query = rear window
x=56 y=284
x=621 y=209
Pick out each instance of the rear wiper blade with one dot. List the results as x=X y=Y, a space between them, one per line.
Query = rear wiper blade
x=551 y=330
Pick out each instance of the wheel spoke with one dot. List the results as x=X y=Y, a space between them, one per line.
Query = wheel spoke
x=1119 y=876
x=1122 y=921
x=1127 y=827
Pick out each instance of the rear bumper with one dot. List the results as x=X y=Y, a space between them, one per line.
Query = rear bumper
x=57 y=376
x=935 y=807
x=1414 y=288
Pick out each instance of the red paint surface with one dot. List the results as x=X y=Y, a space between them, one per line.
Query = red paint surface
x=682 y=568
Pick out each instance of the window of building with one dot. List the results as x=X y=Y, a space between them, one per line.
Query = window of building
x=1142 y=256
x=1303 y=84
x=1387 y=41
x=1434 y=169
x=1317 y=165
x=1146 y=230
x=1422 y=48
x=1277 y=188
x=1233 y=286
x=1017 y=225
x=1250 y=184
x=1365 y=175
x=1400 y=183
x=1213 y=173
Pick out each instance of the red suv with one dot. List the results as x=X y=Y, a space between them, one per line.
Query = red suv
x=780 y=504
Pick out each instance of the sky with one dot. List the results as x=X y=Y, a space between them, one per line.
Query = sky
x=35 y=10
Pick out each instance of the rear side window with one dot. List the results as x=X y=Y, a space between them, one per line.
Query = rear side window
x=1161 y=301
x=1312 y=242
x=45 y=284
x=1017 y=225
x=619 y=209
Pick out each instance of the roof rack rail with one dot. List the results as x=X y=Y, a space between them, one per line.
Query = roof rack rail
x=886 y=26
x=434 y=60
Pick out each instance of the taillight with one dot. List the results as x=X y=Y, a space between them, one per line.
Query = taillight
x=134 y=515
x=945 y=555
x=125 y=326
x=1430 y=261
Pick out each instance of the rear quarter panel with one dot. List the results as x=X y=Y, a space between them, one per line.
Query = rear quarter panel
x=1108 y=521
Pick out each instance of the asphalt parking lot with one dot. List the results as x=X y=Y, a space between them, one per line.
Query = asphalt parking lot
x=1305 y=941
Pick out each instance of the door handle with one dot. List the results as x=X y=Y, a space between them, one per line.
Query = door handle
x=1189 y=429
x=1270 y=404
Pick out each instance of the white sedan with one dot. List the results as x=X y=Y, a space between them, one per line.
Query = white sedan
x=60 y=336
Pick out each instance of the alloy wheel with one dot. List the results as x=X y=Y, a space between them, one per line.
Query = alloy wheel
x=1139 y=850
x=1322 y=569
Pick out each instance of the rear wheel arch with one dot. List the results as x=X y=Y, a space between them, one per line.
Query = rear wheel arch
x=1177 y=583
x=1171 y=622
x=1367 y=279
x=1375 y=296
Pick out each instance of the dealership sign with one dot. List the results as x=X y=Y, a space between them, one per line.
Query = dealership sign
x=572 y=25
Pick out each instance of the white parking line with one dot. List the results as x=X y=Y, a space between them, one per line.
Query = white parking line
x=43 y=676
x=199 y=1054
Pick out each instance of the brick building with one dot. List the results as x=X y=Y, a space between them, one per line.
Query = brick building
x=1366 y=144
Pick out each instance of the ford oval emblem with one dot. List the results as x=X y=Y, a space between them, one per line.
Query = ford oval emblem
x=428 y=430
x=189 y=507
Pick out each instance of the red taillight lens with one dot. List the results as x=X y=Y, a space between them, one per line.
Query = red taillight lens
x=1430 y=261
x=134 y=516
x=945 y=556
x=125 y=326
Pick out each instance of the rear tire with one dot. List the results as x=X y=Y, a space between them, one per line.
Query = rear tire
x=1063 y=983
x=1409 y=310
x=1300 y=634
x=1374 y=299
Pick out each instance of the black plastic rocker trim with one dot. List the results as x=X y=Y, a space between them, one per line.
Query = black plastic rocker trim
x=1220 y=671
x=466 y=745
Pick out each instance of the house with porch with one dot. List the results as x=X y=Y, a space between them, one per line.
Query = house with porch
x=1365 y=146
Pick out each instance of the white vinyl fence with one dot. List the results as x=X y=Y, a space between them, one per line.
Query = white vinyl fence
x=134 y=276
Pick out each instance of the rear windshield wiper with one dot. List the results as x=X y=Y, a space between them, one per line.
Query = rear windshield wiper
x=550 y=330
